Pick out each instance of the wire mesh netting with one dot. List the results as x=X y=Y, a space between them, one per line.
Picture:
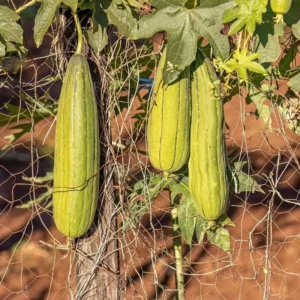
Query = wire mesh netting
x=129 y=249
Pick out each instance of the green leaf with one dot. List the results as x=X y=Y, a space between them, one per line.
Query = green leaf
x=242 y=63
x=2 y=49
x=243 y=182
x=15 y=113
x=85 y=4
x=285 y=62
x=184 y=27
x=272 y=50
x=119 y=17
x=143 y=194
x=9 y=29
x=73 y=4
x=160 y=4
x=151 y=186
x=200 y=229
x=12 y=64
x=180 y=187
x=97 y=35
x=296 y=30
x=293 y=15
x=44 y=18
x=263 y=111
x=224 y=220
x=219 y=237
x=246 y=14
x=9 y=14
x=26 y=127
x=212 y=3
x=294 y=83
x=187 y=218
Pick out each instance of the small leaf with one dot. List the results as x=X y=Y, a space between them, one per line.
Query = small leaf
x=200 y=229
x=180 y=188
x=8 y=14
x=296 y=30
x=220 y=238
x=2 y=49
x=262 y=110
x=12 y=64
x=247 y=14
x=27 y=127
x=86 y=4
x=272 y=49
x=294 y=83
x=285 y=62
x=224 y=220
x=244 y=182
x=44 y=18
x=187 y=219
x=121 y=18
x=9 y=29
x=97 y=35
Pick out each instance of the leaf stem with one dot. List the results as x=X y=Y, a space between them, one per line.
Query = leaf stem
x=177 y=249
x=79 y=32
x=21 y=8
x=240 y=35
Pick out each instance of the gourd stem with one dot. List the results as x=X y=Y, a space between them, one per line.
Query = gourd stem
x=177 y=250
x=79 y=32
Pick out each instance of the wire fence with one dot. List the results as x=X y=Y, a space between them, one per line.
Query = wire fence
x=122 y=251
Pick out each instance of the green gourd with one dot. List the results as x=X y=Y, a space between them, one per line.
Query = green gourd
x=207 y=165
x=168 y=128
x=77 y=153
x=280 y=7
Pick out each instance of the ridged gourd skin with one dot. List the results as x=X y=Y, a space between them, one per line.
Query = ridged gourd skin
x=207 y=164
x=281 y=6
x=77 y=153
x=168 y=127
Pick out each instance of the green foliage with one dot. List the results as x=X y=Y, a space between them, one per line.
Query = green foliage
x=246 y=14
x=97 y=34
x=42 y=198
x=219 y=237
x=186 y=216
x=44 y=18
x=104 y=13
x=294 y=83
x=10 y=31
x=241 y=181
x=16 y=114
x=272 y=50
x=143 y=194
x=242 y=63
x=258 y=97
x=285 y=63
x=296 y=30
x=183 y=27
